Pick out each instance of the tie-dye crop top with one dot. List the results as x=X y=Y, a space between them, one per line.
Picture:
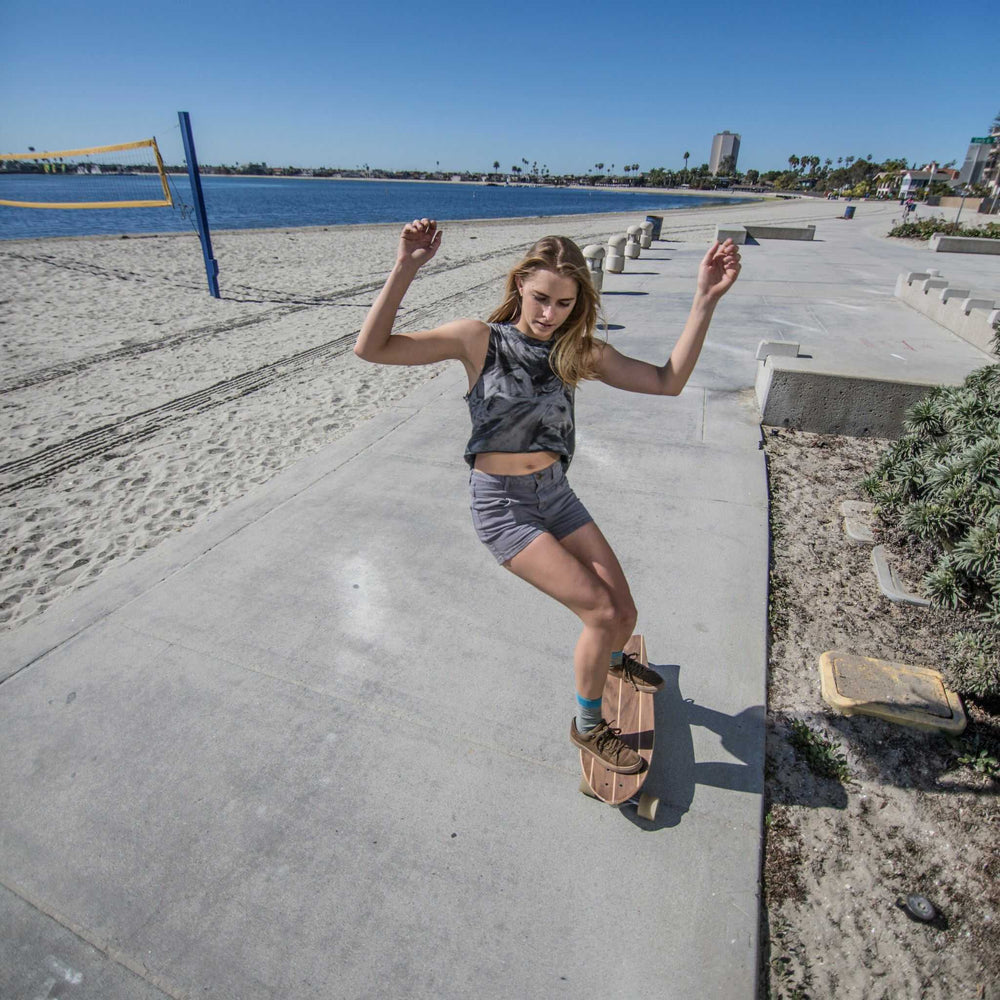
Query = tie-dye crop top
x=519 y=404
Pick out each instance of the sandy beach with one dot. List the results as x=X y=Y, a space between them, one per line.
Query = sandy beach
x=134 y=404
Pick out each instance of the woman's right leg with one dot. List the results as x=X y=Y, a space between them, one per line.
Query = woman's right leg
x=548 y=566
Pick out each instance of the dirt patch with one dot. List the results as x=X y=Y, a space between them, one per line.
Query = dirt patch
x=842 y=855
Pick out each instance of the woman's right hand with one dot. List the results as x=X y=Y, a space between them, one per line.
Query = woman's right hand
x=418 y=242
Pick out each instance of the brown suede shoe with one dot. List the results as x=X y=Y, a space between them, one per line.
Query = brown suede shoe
x=606 y=745
x=640 y=677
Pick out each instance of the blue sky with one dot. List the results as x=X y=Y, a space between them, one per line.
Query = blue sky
x=410 y=85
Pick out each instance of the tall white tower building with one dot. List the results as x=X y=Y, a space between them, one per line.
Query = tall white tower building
x=724 y=144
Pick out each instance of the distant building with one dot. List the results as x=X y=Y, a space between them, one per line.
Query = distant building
x=976 y=161
x=991 y=168
x=724 y=145
x=916 y=182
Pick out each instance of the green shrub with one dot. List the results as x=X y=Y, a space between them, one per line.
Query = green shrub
x=822 y=756
x=973 y=664
x=924 y=229
x=939 y=484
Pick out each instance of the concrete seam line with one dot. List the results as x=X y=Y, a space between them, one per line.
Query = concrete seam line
x=135 y=967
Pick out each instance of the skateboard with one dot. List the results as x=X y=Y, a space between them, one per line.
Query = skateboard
x=631 y=711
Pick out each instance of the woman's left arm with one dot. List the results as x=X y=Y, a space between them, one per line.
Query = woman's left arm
x=719 y=268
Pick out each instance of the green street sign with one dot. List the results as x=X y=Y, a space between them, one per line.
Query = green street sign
x=985 y=140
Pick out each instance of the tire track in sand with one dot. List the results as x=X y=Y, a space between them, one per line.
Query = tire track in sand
x=42 y=465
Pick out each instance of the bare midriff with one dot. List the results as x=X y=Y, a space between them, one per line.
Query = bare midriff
x=503 y=463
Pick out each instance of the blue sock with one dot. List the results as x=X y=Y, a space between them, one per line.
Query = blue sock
x=588 y=713
x=616 y=658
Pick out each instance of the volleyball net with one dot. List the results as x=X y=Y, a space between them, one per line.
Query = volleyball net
x=127 y=175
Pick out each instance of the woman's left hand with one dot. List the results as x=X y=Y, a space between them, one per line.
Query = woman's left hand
x=719 y=269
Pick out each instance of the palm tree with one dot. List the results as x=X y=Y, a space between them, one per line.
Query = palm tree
x=496 y=165
x=793 y=161
x=686 y=157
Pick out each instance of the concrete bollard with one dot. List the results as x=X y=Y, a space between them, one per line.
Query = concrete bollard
x=632 y=248
x=594 y=255
x=614 y=263
x=646 y=237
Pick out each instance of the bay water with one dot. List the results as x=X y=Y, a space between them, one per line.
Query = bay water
x=277 y=202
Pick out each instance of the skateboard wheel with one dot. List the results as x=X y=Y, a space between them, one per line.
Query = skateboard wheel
x=648 y=805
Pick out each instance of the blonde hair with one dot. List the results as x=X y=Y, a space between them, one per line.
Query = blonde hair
x=572 y=356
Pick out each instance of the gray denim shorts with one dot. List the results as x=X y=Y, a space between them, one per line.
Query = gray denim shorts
x=508 y=512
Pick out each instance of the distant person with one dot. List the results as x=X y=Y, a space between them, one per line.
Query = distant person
x=523 y=367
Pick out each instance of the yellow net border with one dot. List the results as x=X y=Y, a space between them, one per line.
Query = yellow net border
x=167 y=200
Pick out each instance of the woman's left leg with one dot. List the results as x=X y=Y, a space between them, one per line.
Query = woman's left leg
x=589 y=546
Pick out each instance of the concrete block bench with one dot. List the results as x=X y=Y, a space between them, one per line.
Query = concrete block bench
x=781 y=232
x=963 y=244
x=737 y=234
x=791 y=392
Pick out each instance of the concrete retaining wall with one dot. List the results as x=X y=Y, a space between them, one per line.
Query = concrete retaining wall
x=960 y=309
x=971 y=204
x=964 y=244
x=790 y=393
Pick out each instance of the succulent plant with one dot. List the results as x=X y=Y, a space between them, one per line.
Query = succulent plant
x=940 y=483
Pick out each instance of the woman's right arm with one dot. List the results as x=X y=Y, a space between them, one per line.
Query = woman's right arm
x=376 y=342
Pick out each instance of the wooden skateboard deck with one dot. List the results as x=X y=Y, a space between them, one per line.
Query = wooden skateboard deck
x=631 y=711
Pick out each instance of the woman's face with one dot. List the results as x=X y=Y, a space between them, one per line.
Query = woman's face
x=547 y=299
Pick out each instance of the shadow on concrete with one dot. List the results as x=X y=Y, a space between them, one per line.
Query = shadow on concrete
x=674 y=772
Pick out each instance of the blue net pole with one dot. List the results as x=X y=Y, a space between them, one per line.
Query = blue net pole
x=211 y=264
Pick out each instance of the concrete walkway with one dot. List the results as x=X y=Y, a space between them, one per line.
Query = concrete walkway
x=317 y=745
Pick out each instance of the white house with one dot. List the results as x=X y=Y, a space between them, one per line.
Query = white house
x=916 y=182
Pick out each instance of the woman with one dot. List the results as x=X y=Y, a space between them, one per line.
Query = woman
x=523 y=367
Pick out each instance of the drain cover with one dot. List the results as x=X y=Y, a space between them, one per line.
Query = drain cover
x=897 y=692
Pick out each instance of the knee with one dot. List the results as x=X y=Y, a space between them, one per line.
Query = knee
x=628 y=615
x=612 y=612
